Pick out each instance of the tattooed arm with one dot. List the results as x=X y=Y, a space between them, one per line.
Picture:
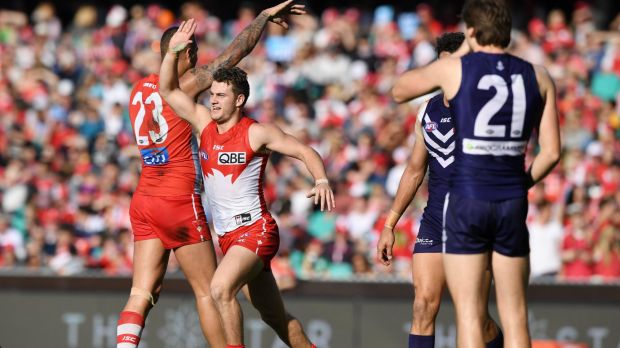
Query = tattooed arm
x=200 y=79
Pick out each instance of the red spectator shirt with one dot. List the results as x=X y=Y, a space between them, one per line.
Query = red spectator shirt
x=608 y=267
x=578 y=268
x=169 y=152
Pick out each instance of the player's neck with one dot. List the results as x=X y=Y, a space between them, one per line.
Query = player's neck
x=228 y=124
x=489 y=49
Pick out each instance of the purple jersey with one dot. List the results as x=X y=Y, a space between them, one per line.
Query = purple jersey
x=497 y=106
x=438 y=131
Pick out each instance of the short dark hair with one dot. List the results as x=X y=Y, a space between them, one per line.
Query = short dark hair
x=235 y=77
x=165 y=42
x=490 y=19
x=449 y=42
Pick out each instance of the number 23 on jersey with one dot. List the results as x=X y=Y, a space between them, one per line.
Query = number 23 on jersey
x=155 y=104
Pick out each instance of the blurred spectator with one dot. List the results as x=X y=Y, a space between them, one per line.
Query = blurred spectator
x=546 y=234
x=576 y=249
x=11 y=243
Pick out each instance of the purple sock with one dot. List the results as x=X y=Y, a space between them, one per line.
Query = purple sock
x=417 y=341
x=498 y=341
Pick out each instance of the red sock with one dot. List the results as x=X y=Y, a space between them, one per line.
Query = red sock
x=235 y=346
x=129 y=329
x=313 y=346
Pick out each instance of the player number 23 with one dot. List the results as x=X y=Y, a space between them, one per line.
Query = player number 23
x=482 y=128
x=155 y=100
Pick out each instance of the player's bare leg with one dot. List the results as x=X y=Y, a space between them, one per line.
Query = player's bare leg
x=237 y=268
x=465 y=278
x=511 y=277
x=428 y=282
x=490 y=329
x=263 y=293
x=198 y=263
x=150 y=260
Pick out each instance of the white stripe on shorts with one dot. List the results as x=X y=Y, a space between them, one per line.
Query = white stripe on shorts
x=194 y=206
x=444 y=235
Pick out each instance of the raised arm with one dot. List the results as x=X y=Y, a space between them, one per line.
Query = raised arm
x=182 y=104
x=443 y=73
x=269 y=136
x=200 y=79
x=548 y=131
x=409 y=183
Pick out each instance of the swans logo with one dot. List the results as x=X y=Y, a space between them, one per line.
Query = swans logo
x=230 y=158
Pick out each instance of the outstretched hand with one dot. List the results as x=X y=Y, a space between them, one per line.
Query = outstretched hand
x=323 y=193
x=183 y=36
x=276 y=14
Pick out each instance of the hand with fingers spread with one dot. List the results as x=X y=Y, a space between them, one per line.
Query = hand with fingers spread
x=276 y=14
x=385 y=245
x=183 y=36
x=323 y=193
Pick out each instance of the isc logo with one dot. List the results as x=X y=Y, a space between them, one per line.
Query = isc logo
x=226 y=158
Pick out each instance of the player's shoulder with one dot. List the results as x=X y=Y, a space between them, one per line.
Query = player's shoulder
x=543 y=78
x=255 y=126
x=438 y=97
x=150 y=81
x=264 y=131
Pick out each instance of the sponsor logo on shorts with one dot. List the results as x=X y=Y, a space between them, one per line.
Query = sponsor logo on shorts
x=424 y=241
x=430 y=126
x=242 y=218
x=230 y=158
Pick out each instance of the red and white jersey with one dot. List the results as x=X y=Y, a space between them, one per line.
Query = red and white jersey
x=233 y=175
x=170 y=165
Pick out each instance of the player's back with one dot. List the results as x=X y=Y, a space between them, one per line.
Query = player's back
x=495 y=110
x=169 y=152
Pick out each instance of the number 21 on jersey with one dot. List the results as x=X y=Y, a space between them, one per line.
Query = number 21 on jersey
x=482 y=128
x=500 y=143
x=155 y=100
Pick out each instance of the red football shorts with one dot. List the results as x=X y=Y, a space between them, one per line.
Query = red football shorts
x=176 y=221
x=261 y=237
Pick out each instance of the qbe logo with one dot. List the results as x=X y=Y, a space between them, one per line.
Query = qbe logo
x=228 y=158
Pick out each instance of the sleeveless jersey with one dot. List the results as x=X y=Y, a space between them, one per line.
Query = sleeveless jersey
x=438 y=131
x=233 y=175
x=497 y=106
x=169 y=152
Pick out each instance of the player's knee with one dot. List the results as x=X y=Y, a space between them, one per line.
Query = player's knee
x=425 y=306
x=203 y=297
x=221 y=292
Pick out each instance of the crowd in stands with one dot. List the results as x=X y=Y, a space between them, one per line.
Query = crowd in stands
x=69 y=163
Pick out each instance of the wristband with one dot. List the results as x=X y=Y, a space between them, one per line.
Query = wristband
x=392 y=219
x=178 y=48
x=320 y=181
